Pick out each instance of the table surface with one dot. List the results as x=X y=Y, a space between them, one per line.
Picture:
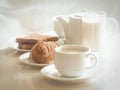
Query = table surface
x=15 y=75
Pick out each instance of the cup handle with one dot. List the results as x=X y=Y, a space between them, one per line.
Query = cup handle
x=93 y=58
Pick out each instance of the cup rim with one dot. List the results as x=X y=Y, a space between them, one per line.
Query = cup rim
x=86 y=49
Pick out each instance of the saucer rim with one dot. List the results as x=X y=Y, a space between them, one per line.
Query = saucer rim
x=64 y=79
x=25 y=56
x=13 y=45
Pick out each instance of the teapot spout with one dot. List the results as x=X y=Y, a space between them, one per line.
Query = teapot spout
x=64 y=23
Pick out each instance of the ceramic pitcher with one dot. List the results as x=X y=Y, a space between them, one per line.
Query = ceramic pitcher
x=86 y=28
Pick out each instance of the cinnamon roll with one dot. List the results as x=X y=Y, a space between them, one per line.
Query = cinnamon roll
x=43 y=52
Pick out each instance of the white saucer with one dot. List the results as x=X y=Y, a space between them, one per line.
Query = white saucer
x=50 y=72
x=25 y=58
x=14 y=45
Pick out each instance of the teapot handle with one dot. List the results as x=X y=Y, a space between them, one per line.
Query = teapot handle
x=112 y=25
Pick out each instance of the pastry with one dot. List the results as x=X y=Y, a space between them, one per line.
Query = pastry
x=43 y=52
x=28 y=42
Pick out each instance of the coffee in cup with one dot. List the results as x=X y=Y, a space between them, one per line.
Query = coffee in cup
x=73 y=60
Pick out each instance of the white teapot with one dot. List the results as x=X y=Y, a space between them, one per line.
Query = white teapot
x=85 y=28
x=70 y=29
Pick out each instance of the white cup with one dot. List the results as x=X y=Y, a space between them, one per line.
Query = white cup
x=73 y=60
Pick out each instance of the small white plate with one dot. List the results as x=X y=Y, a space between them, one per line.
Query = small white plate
x=25 y=58
x=14 y=45
x=50 y=72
